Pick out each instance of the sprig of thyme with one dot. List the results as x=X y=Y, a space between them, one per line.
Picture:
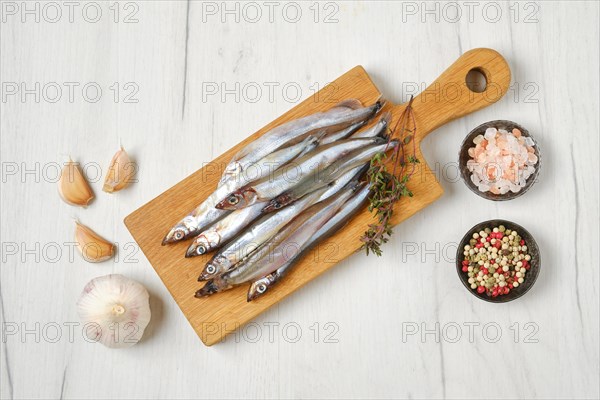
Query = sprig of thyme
x=387 y=187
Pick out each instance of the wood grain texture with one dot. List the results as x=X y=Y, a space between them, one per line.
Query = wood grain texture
x=214 y=317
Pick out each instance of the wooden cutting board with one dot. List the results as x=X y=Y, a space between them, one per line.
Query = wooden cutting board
x=214 y=317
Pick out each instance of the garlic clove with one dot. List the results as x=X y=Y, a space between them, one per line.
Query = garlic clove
x=73 y=187
x=120 y=172
x=114 y=310
x=93 y=247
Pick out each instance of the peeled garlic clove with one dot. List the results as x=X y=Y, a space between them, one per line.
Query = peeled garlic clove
x=120 y=172
x=93 y=247
x=73 y=187
x=114 y=310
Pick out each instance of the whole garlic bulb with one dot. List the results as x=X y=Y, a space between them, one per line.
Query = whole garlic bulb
x=115 y=310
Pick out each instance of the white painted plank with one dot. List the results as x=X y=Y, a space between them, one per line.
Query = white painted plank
x=366 y=301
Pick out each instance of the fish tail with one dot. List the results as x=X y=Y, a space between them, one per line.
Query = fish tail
x=386 y=119
x=362 y=172
x=355 y=183
x=353 y=104
x=379 y=104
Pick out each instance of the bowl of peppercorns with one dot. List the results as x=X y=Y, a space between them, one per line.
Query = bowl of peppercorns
x=498 y=261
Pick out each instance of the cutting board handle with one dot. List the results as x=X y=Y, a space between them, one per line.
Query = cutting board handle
x=449 y=97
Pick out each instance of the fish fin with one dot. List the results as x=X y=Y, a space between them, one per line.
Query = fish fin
x=356 y=185
x=393 y=144
x=352 y=104
x=311 y=142
x=319 y=135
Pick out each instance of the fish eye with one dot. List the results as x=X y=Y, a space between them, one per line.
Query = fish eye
x=277 y=205
x=200 y=250
x=233 y=200
x=178 y=234
x=211 y=269
x=261 y=288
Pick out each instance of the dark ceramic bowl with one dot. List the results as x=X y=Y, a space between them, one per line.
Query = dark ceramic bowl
x=464 y=157
x=532 y=249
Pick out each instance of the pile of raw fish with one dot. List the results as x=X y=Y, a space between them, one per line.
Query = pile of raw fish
x=281 y=194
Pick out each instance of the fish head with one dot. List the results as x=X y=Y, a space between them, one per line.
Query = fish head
x=258 y=288
x=183 y=230
x=278 y=203
x=238 y=199
x=215 y=267
x=203 y=243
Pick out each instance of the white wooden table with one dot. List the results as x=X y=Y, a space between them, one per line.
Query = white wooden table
x=177 y=83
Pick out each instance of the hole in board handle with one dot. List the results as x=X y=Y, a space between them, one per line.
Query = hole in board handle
x=476 y=80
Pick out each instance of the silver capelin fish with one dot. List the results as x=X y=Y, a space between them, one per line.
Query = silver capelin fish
x=292 y=173
x=254 y=236
x=343 y=134
x=339 y=117
x=381 y=128
x=332 y=172
x=224 y=230
x=338 y=221
x=273 y=255
x=206 y=214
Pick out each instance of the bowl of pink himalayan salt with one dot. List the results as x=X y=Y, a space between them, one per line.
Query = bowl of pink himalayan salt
x=499 y=160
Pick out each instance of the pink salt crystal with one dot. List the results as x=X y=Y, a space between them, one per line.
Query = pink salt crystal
x=477 y=139
x=490 y=133
x=494 y=190
x=532 y=158
x=530 y=149
x=510 y=175
x=502 y=143
x=471 y=152
x=516 y=132
x=491 y=172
